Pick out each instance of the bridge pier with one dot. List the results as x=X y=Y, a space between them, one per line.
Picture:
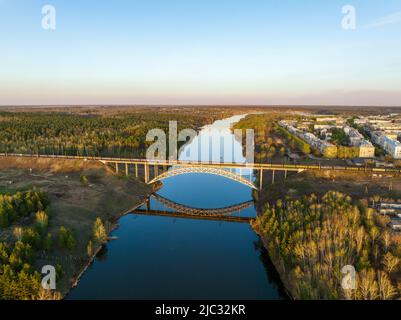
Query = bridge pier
x=273 y=176
x=156 y=170
x=285 y=174
x=126 y=169
x=146 y=166
x=136 y=170
x=116 y=167
x=261 y=179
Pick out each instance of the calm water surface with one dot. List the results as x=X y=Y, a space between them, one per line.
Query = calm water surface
x=173 y=258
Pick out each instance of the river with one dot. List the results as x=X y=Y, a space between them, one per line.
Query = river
x=174 y=258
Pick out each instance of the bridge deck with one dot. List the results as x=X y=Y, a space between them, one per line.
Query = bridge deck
x=254 y=166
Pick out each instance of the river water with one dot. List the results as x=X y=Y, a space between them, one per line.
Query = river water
x=173 y=258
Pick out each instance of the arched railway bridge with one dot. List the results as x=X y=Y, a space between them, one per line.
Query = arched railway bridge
x=175 y=171
x=217 y=168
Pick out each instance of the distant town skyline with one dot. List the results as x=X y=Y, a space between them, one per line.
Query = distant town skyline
x=206 y=52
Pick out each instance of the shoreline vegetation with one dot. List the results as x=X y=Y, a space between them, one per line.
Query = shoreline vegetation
x=114 y=226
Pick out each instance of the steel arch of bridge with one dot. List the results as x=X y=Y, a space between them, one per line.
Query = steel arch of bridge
x=208 y=170
x=187 y=210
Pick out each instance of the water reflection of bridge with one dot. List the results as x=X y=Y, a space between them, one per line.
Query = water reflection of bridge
x=227 y=214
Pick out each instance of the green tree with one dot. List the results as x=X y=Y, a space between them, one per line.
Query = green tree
x=84 y=180
x=330 y=152
x=41 y=220
x=31 y=237
x=66 y=239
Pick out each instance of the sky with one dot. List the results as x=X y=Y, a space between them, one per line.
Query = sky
x=246 y=52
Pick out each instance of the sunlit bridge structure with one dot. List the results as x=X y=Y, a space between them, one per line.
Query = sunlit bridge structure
x=133 y=166
x=207 y=170
x=228 y=214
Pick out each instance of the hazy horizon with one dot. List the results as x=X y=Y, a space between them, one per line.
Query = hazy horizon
x=256 y=53
x=193 y=105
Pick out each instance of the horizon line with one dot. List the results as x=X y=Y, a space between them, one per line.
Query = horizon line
x=195 y=105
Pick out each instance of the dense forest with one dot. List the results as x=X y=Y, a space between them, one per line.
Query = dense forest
x=25 y=237
x=117 y=134
x=19 y=205
x=311 y=239
x=18 y=278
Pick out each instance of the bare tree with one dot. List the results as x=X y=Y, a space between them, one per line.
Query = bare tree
x=386 y=289
x=390 y=262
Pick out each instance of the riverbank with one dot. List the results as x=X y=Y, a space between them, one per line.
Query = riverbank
x=114 y=226
x=75 y=205
x=289 y=291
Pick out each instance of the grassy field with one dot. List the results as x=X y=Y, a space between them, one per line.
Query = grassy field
x=357 y=185
x=73 y=204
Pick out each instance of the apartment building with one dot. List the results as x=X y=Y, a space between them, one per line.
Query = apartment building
x=366 y=149
x=391 y=146
x=310 y=138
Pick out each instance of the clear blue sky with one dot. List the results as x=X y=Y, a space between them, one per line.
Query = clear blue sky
x=200 y=52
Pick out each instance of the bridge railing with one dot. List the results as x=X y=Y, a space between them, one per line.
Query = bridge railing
x=256 y=166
